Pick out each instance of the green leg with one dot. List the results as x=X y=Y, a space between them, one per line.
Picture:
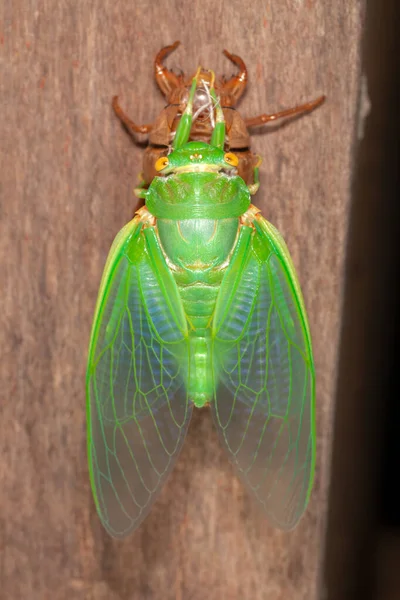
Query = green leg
x=185 y=124
x=253 y=187
x=218 y=135
x=140 y=190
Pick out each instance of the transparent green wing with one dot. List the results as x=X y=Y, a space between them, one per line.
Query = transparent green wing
x=138 y=410
x=264 y=403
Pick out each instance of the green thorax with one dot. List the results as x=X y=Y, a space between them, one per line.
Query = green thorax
x=198 y=183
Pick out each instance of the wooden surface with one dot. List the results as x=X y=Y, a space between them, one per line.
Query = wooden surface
x=67 y=173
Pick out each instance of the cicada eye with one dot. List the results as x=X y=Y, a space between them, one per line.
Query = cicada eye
x=161 y=163
x=231 y=159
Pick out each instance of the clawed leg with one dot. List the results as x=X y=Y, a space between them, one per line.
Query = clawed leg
x=289 y=112
x=167 y=80
x=127 y=121
x=237 y=84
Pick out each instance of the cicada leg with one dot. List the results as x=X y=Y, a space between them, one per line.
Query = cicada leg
x=253 y=187
x=289 y=112
x=185 y=124
x=141 y=188
x=127 y=121
x=140 y=192
x=219 y=132
x=167 y=80
x=237 y=84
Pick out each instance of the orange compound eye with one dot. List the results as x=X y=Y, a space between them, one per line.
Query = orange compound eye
x=161 y=163
x=231 y=159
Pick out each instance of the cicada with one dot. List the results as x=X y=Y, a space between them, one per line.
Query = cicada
x=199 y=305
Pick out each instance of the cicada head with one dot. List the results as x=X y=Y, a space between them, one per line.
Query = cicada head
x=196 y=157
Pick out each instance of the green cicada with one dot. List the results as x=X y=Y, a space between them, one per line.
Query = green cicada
x=199 y=304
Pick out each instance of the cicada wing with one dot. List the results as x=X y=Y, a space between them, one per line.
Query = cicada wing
x=138 y=410
x=264 y=403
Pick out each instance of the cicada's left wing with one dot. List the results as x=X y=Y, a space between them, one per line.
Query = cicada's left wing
x=138 y=409
x=264 y=401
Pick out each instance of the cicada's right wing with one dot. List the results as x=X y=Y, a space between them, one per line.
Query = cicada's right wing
x=137 y=405
x=264 y=404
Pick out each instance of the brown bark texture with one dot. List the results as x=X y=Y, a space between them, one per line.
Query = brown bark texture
x=67 y=173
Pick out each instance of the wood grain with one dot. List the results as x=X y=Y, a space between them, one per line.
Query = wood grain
x=67 y=173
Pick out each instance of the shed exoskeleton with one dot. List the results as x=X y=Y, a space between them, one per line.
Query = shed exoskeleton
x=175 y=88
